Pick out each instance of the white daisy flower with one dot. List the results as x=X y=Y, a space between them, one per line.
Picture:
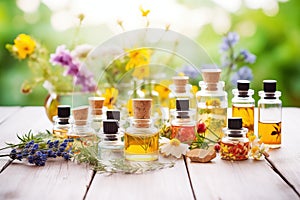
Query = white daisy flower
x=173 y=147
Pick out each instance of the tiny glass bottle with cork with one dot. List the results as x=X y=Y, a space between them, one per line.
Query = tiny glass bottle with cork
x=234 y=145
x=111 y=145
x=80 y=126
x=61 y=124
x=269 y=115
x=183 y=122
x=96 y=112
x=243 y=105
x=141 y=138
x=212 y=103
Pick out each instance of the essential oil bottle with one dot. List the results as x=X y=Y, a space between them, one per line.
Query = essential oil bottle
x=269 y=115
x=243 y=104
x=61 y=124
x=235 y=145
x=212 y=103
x=141 y=138
x=111 y=145
x=96 y=112
x=183 y=122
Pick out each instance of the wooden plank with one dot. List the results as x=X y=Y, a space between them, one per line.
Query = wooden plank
x=5 y=112
x=248 y=179
x=56 y=180
x=287 y=158
x=171 y=183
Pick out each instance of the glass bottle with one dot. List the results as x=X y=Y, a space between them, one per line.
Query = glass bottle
x=181 y=89
x=61 y=123
x=111 y=145
x=243 y=105
x=212 y=103
x=269 y=115
x=141 y=137
x=96 y=112
x=80 y=126
x=235 y=145
x=183 y=122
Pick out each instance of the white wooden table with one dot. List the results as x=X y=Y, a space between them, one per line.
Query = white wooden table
x=275 y=178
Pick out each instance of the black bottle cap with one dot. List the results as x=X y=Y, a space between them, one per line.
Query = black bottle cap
x=243 y=85
x=235 y=123
x=63 y=111
x=269 y=85
x=110 y=126
x=113 y=114
x=182 y=104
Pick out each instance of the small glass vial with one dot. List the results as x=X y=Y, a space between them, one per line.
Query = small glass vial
x=243 y=105
x=181 y=89
x=212 y=103
x=183 y=122
x=269 y=115
x=111 y=145
x=96 y=112
x=80 y=126
x=141 y=138
x=61 y=124
x=235 y=145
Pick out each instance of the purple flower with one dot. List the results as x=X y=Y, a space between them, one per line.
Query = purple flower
x=229 y=40
x=248 y=57
x=62 y=56
x=86 y=79
x=244 y=73
x=190 y=71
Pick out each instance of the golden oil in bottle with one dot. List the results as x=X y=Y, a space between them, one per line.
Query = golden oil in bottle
x=61 y=123
x=269 y=115
x=141 y=138
x=243 y=105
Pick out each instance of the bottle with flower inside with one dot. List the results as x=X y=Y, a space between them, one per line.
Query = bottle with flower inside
x=183 y=122
x=243 y=104
x=212 y=103
x=235 y=145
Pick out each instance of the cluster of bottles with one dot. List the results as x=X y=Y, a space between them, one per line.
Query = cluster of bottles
x=140 y=141
x=210 y=105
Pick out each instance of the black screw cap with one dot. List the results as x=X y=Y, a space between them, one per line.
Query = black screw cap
x=269 y=85
x=243 y=85
x=110 y=126
x=63 y=111
x=182 y=104
x=235 y=123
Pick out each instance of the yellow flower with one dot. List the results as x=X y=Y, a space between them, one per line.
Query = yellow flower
x=141 y=72
x=138 y=57
x=194 y=89
x=144 y=12
x=110 y=96
x=129 y=107
x=163 y=90
x=213 y=102
x=24 y=45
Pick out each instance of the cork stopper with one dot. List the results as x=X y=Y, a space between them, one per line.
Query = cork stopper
x=96 y=104
x=141 y=112
x=180 y=82
x=80 y=115
x=211 y=77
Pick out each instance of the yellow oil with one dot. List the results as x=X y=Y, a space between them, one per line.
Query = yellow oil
x=60 y=133
x=215 y=120
x=141 y=147
x=270 y=134
x=247 y=114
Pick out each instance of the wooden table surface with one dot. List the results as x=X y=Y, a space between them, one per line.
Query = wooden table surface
x=275 y=178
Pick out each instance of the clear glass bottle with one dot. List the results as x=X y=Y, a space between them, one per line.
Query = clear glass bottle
x=235 y=145
x=141 y=138
x=212 y=103
x=111 y=145
x=80 y=126
x=61 y=123
x=181 y=89
x=269 y=115
x=243 y=105
x=183 y=122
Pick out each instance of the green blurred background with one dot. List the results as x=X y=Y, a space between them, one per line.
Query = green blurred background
x=270 y=31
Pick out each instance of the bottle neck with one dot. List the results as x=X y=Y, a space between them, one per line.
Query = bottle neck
x=141 y=123
x=243 y=93
x=269 y=95
x=212 y=87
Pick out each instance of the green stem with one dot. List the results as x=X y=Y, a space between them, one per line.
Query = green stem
x=213 y=133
